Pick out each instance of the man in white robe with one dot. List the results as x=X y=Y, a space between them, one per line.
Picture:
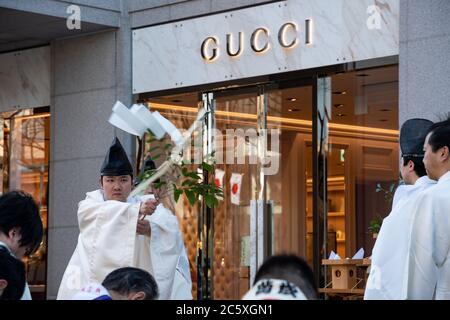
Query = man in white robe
x=117 y=231
x=386 y=279
x=428 y=263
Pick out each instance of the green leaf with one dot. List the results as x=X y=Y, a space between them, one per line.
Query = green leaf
x=207 y=167
x=184 y=171
x=193 y=175
x=153 y=148
x=167 y=146
x=156 y=157
x=159 y=184
x=187 y=183
x=191 y=196
x=177 y=193
x=209 y=200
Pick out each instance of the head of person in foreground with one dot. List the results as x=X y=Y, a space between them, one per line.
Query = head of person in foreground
x=283 y=277
x=131 y=284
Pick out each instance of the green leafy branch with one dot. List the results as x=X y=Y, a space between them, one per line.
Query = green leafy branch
x=375 y=224
x=194 y=188
x=388 y=193
x=183 y=180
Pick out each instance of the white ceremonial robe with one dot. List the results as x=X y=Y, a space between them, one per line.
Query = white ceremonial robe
x=108 y=241
x=389 y=256
x=428 y=268
x=400 y=192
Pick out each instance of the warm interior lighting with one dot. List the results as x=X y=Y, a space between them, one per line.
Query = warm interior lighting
x=298 y=122
x=33 y=116
x=329 y=179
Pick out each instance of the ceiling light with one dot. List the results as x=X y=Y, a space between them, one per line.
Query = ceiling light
x=291 y=99
x=339 y=92
x=293 y=110
x=341 y=115
x=338 y=105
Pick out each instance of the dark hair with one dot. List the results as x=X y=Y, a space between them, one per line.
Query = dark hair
x=13 y=271
x=148 y=169
x=440 y=134
x=127 y=280
x=18 y=210
x=291 y=268
x=419 y=166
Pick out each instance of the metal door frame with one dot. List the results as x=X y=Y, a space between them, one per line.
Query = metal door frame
x=261 y=211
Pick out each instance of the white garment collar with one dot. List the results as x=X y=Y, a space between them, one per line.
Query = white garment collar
x=99 y=196
x=445 y=177
x=424 y=180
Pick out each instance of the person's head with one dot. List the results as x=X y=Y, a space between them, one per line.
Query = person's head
x=20 y=223
x=116 y=174
x=412 y=169
x=437 y=149
x=412 y=137
x=116 y=187
x=291 y=268
x=148 y=169
x=131 y=284
x=12 y=276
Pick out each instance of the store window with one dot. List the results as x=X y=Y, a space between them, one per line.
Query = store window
x=360 y=155
x=25 y=141
x=363 y=155
x=181 y=110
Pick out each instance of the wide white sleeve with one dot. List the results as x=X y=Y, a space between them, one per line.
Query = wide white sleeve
x=428 y=249
x=107 y=235
x=167 y=249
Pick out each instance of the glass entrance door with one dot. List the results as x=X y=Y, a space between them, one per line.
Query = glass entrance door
x=261 y=136
x=238 y=172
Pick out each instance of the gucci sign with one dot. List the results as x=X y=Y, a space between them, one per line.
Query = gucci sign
x=259 y=41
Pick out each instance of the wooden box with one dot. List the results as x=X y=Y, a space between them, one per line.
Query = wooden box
x=343 y=272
